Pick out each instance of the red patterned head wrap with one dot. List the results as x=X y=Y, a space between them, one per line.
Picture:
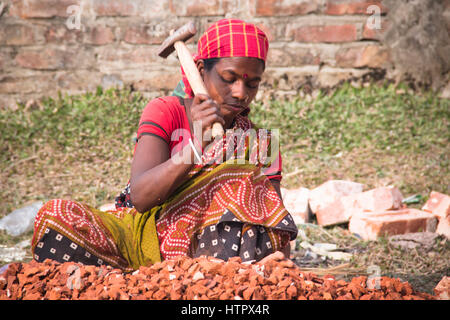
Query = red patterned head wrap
x=227 y=38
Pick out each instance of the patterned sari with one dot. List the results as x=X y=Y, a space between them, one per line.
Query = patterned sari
x=227 y=208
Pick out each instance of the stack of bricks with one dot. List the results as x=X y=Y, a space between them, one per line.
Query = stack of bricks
x=202 y=278
x=369 y=214
x=76 y=45
x=439 y=205
x=396 y=219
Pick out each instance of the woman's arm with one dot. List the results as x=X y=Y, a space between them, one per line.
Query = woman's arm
x=154 y=174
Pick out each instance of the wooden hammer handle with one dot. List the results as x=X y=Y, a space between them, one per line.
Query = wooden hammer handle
x=194 y=78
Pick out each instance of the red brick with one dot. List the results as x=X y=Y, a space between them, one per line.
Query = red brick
x=115 y=7
x=126 y=8
x=334 y=213
x=371 y=225
x=124 y=57
x=325 y=33
x=197 y=8
x=3 y=57
x=291 y=56
x=327 y=296
x=443 y=227
x=24 y=85
x=371 y=56
x=370 y=33
x=438 y=204
x=19 y=34
x=144 y=34
x=38 y=60
x=41 y=8
x=282 y=280
x=52 y=59
x=296 y=203
x=60 y=34
x=151 y=82
x=271 y=8
x=7 y=55
x=78 y=80
x=272 y=30
x=32 y=296
x=210 y=266
x=54 y=294
x=331 y=190
x=339 y=7
x=378 y=199
x=442 y=289
x=99 y=35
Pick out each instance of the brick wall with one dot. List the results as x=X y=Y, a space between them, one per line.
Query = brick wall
x=75 y=45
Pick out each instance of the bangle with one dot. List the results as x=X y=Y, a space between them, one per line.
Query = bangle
x=197 y=156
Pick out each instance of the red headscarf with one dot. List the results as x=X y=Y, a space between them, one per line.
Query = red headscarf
x=227 y=38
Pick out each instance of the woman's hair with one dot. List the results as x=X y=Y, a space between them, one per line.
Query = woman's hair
x=211 y=62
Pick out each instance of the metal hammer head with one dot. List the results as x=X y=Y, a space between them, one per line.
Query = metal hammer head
x=182 y=34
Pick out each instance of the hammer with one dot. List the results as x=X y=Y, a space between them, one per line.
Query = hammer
x=176 y=41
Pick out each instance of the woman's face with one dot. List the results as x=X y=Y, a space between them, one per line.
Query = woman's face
x=233 y=83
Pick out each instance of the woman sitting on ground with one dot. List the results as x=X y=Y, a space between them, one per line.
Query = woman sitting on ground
x=187 y=195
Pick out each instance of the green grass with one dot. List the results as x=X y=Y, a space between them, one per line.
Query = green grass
x=375 y=135
x=72 y=146
x=69 y=122
x=80 y=148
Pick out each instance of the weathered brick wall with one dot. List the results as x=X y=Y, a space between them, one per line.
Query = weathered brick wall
x=75 y=45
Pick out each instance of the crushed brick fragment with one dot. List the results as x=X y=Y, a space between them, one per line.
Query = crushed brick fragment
x=343 y=208
x=442 y=289
x=184 y=278
x=438 y=204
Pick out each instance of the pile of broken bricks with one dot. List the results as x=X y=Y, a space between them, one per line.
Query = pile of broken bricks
x=184 y=278
x=369 y=214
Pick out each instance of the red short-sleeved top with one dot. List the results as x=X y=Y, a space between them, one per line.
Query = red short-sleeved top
x=166 y=118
